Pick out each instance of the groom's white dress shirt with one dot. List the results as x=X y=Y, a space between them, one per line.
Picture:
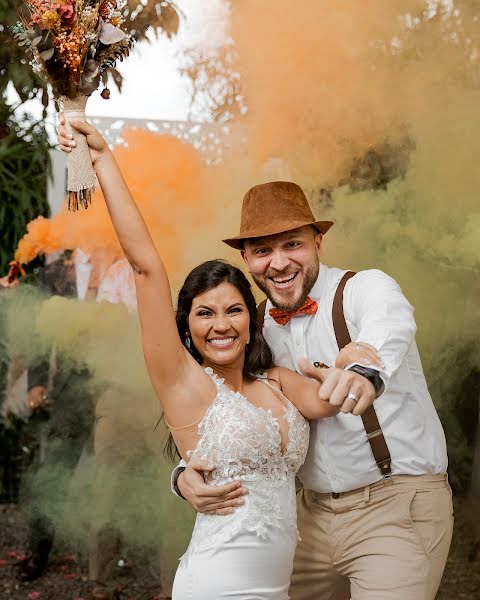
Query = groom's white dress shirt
x=376 y=311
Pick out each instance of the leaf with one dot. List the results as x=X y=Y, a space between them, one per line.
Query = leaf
x=169 y=20
x=90 y=79
x=47 y=54
x=45 y=98
x=109 y=34
x=109 y=55
x=24 y=150
x=91 y=69
x=117 y=78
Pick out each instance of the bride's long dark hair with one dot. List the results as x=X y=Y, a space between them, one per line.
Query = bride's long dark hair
x=209 y=275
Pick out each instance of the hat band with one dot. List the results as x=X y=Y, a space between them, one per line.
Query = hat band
x=273 y=228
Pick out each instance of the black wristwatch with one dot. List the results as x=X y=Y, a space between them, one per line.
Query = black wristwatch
x=175 y=482
x=372 y=375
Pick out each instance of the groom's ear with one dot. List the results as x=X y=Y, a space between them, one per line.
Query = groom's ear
x=244 y=256
x=318 y=243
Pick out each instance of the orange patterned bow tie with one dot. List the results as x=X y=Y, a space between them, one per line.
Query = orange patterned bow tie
x=282 y=317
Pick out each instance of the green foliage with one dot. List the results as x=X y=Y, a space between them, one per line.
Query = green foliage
x=14 y=65
x=24 y=159
x=24 y=168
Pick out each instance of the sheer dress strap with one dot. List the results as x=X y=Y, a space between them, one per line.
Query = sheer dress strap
x=194 y=424
x=277 y=390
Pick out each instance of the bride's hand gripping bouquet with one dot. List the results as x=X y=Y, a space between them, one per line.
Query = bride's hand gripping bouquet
x=73 y=44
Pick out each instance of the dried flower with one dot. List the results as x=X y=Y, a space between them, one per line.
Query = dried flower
x=67 y=46
x=50 y=19
x=73 y=43
x=67 y=14
x=105 y=94
x=107 y=7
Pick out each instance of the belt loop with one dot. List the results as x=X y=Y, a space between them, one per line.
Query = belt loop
x=366 y=494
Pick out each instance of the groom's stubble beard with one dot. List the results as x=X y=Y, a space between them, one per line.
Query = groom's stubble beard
x=310 y=276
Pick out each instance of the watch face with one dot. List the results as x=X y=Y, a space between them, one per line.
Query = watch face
x=370 y=374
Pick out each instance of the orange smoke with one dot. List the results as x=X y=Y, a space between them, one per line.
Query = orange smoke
x=325 y=81
x=164 y=175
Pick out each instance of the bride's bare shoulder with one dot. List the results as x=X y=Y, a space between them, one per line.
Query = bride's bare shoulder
x=276 y=374
x=287 y=378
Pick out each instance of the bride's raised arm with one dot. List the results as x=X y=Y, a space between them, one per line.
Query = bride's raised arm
x=166 y=358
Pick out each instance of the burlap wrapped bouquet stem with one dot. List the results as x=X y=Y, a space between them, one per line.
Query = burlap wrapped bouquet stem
x=81 y=177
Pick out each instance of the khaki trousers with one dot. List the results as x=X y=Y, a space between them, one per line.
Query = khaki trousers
x=387 y=541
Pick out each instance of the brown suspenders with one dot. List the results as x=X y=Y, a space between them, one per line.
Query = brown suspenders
x=261 y=314
x=370 y=420
x=373 y=430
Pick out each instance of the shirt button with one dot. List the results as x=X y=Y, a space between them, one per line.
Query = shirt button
x=298 y=342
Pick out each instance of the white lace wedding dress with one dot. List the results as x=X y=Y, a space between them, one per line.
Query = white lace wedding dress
x=247 y=555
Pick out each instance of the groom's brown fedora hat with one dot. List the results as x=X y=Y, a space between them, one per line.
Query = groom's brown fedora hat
x=272 y=208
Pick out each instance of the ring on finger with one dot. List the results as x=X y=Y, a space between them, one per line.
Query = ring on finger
x=352 y=397
x=357 y=347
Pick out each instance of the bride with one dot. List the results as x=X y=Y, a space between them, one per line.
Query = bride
x=223 y=400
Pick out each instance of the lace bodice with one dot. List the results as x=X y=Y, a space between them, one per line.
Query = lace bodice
x=244 y=442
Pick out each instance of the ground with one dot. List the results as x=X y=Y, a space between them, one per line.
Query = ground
x=66 y=577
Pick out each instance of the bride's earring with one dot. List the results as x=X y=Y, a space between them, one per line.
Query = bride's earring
x=248 y=340
x=188 y=343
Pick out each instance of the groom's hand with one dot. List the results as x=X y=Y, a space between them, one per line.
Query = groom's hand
x=349 y=391
x=209 y=499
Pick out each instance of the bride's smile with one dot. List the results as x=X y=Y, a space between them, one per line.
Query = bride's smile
x=219 y=325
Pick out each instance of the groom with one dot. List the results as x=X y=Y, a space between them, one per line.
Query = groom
x=375 y=512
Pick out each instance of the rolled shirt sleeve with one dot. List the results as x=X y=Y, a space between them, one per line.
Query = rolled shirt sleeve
x=376 y=307
x=175 y=473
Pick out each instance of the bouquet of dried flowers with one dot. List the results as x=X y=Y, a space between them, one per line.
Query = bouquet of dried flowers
x=73 y=44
